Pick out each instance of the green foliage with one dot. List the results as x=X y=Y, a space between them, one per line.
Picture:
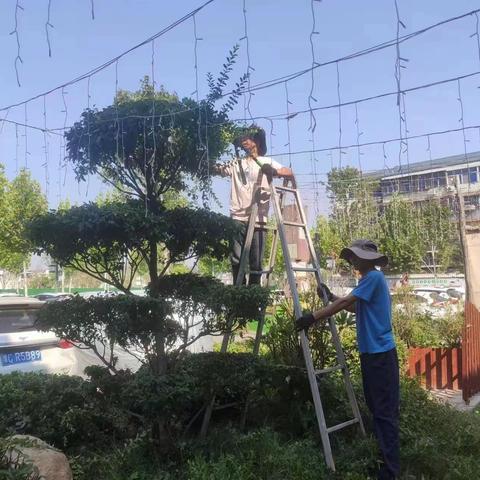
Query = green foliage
x=354 y=212
x=174 y=148
x=327 y=240
x=153 y=329
x=137 y=324
x=212 y=303
x=150 y=146
x=440 y=232
x=66 y=412
x=110 y=241
x=211 y=266
x=104 y=424
x=405 y=232
x=218 y=86
x=40 y=281
x=260 y=455
x=148 y=158
x=420 y=329
x=21 y=201
x=436 y=440
x=283 y=344
x=401 y=238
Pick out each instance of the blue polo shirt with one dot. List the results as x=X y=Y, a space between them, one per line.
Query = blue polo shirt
x=374 y=314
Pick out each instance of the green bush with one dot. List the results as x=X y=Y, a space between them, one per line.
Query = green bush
x=154 y=329
x=283 y=344
x=416 y=328
x=106 y=424
x=63 y=411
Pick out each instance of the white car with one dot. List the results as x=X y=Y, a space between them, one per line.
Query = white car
x=440 y=297
x=23 y=348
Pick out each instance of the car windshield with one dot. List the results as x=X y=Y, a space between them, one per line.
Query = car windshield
x=17 y=320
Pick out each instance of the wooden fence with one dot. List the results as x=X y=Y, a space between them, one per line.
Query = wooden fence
x=471 y=352
x=436 y=367
x=453 y=368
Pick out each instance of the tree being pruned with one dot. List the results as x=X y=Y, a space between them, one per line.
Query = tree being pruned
x=156 y=150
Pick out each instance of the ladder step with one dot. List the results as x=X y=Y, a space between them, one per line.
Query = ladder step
x=261 y=272
x=265 y=227
x=328 y=370
x=286 y=189
x=342 y=425
x=304 y=269
x=294 y=224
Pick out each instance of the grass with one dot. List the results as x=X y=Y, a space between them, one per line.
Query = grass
x=252 y=326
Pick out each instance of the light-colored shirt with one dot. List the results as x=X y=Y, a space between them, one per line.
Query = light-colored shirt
x=243 y=186
x=374 y=314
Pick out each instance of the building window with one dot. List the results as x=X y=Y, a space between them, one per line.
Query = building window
x=473 y=175
x=405 y=186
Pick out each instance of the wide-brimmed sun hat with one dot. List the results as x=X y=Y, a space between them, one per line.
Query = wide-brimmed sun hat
x=366 y=250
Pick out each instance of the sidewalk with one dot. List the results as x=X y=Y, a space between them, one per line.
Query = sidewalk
x=454 y=398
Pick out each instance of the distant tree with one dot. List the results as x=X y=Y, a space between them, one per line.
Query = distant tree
x=405 y=231
x=440 y=234
x=21 y=202
x=327 y=240
x=401 y=237
x=212 y=266
x=354 y=212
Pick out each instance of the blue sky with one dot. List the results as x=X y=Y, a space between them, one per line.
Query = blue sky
x=278 y=35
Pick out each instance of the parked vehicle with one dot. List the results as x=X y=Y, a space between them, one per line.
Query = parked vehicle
x=438 y=296
x=24 y=348
x=52 y=297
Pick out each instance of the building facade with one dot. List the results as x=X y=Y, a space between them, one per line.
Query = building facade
x=436 y=179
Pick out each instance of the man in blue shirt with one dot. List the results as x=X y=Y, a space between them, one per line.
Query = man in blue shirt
x=370 y=300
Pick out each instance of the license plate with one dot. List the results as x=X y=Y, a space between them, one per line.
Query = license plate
x=21 y=357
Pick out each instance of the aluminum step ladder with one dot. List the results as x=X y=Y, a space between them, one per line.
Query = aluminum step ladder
x=277 y=197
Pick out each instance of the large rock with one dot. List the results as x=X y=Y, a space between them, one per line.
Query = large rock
x=51 y=463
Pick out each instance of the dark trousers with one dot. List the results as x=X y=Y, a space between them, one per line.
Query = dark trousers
x=382 y=393
x=256 y=254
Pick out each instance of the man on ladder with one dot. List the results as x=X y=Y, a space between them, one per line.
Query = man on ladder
x=257 y=206
x=246 y=174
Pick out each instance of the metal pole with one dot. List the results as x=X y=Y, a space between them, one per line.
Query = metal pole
x=462 y=226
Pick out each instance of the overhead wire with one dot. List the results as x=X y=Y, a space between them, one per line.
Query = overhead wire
x=18 y=58
x=250 y=69
x=48 y=25
x=311 y=98
x=380 y=142
x=288 y=114
x=105 y=65
x=375 y=48
x=267 y=83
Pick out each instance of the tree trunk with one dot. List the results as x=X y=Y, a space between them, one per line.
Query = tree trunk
x=160 y=366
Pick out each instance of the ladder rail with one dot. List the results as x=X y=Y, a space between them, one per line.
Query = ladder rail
x=278 y=200
x=333 y=328
x=271 y=265
x=303 y=337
